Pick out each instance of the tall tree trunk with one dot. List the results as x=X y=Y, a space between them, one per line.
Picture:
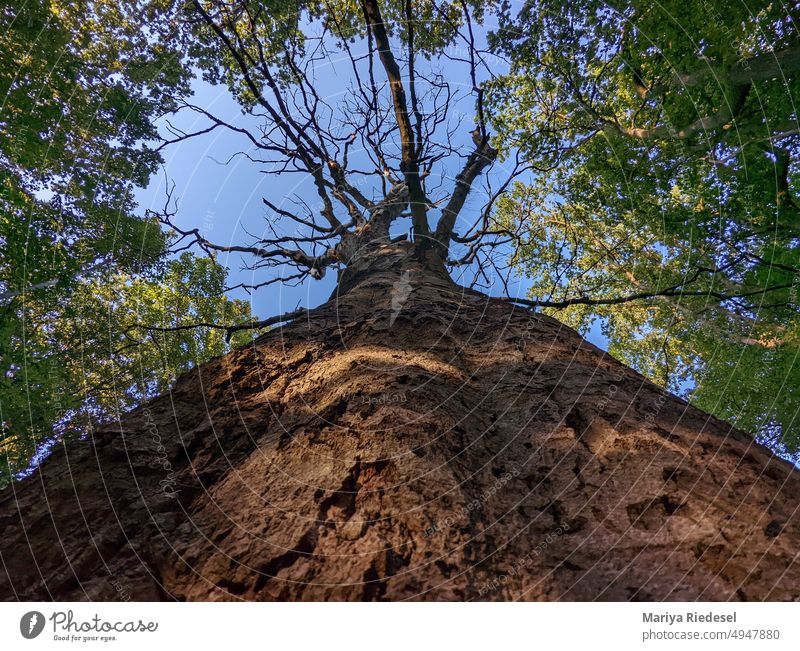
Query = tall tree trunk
x=411 y=440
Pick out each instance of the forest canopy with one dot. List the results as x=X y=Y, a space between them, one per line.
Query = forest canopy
x=633 y=164
x=671 y=135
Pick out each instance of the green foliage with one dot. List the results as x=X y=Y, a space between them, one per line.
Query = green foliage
x=84 y=358
x=81 y=84
x=266 y=32
x=666 y=139
x=103 y=316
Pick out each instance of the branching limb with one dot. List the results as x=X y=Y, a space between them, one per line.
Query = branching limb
x=229 y=330
x=675 y=291
x=483 y=156
x=410 y=162
x=272 y=254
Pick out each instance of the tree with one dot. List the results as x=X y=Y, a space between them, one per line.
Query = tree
x=81 y=85
x=410 y=437
x=670 y=209
x=68 y=174
x=369 y=157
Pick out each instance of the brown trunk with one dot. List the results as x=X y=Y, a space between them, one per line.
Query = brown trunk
x=413 y=440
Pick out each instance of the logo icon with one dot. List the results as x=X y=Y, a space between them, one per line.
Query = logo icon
x=31 y=624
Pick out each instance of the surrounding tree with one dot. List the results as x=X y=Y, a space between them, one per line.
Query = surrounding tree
x=81 y=85
x=667 y=207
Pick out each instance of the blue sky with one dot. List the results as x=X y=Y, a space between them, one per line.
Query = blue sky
x=221 y=192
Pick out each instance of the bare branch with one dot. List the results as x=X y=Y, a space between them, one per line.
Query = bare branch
x=677 y=291
x=483 y=156
x=410 y=162
x=229 y=330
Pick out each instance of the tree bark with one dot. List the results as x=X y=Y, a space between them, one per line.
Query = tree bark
x=411 y=439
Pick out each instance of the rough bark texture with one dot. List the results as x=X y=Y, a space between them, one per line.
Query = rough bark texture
x=413 y=440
